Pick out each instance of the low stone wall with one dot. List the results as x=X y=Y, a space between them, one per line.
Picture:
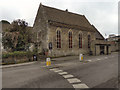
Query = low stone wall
x=17 y=59
x=21 y=59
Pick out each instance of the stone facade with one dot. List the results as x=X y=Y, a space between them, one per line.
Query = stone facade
x=65 y=50
x=40 y=30
x=114 y=42
x=50 y=20
x=101 y=43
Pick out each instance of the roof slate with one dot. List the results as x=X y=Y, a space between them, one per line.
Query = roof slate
x=65 y=17
x=98 y=35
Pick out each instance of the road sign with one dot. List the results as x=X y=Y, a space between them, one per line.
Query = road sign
x=50 y=45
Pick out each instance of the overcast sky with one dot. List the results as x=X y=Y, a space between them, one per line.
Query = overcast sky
x=103 y=14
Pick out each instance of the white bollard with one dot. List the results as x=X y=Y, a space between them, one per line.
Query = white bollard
x=81 y=57
x=48 y=62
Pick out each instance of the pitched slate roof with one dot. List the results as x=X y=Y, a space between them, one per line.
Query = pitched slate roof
x=66 y=17
x=98 y=35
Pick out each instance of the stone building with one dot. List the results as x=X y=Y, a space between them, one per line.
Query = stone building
x=64 y=33
x=100 y=45
x=5 y=26
x=115 y=42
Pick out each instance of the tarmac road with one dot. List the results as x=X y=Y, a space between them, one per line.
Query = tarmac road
x=94 y=72
x=32 y=76
x=100 y=72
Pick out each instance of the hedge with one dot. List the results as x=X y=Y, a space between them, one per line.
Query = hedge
x=17 y=53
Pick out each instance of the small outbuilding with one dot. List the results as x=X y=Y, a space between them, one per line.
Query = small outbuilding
x=100 y=45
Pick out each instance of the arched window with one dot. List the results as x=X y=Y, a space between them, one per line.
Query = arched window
x=70 y=39
x=88 y=41
x=58 y=39
x=80 y=40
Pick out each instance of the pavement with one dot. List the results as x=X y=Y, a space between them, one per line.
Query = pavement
x=65 y=72
x=16 y=65
x=60 y=59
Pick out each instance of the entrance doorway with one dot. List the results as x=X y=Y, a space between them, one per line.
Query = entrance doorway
x=101 y=49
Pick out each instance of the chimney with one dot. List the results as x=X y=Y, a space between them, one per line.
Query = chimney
x=66 y=10
x=40 y=3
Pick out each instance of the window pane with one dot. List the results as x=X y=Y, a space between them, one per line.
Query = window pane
x=58 y=39
x=70 y=39
x=88 y=41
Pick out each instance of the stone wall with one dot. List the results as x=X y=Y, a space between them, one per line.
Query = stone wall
x=40 y=29
x=21 y=59
x=114 y=46
x=65 y=50
x=97 y=50
x=5 y=27
x=18 y=59
x=96 y=46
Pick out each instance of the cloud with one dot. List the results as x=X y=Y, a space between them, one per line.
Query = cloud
x=101 y=13
x=19 y=9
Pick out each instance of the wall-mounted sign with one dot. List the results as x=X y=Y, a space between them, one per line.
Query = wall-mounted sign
x=50 y=45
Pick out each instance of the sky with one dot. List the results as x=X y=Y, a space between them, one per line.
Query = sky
x=103 y=14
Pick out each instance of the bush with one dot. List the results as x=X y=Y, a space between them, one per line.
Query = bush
x=17 y=53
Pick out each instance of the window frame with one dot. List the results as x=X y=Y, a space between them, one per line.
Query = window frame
x=58 y=39
x=70 y=39
x=80 y=40
x=89 y=39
